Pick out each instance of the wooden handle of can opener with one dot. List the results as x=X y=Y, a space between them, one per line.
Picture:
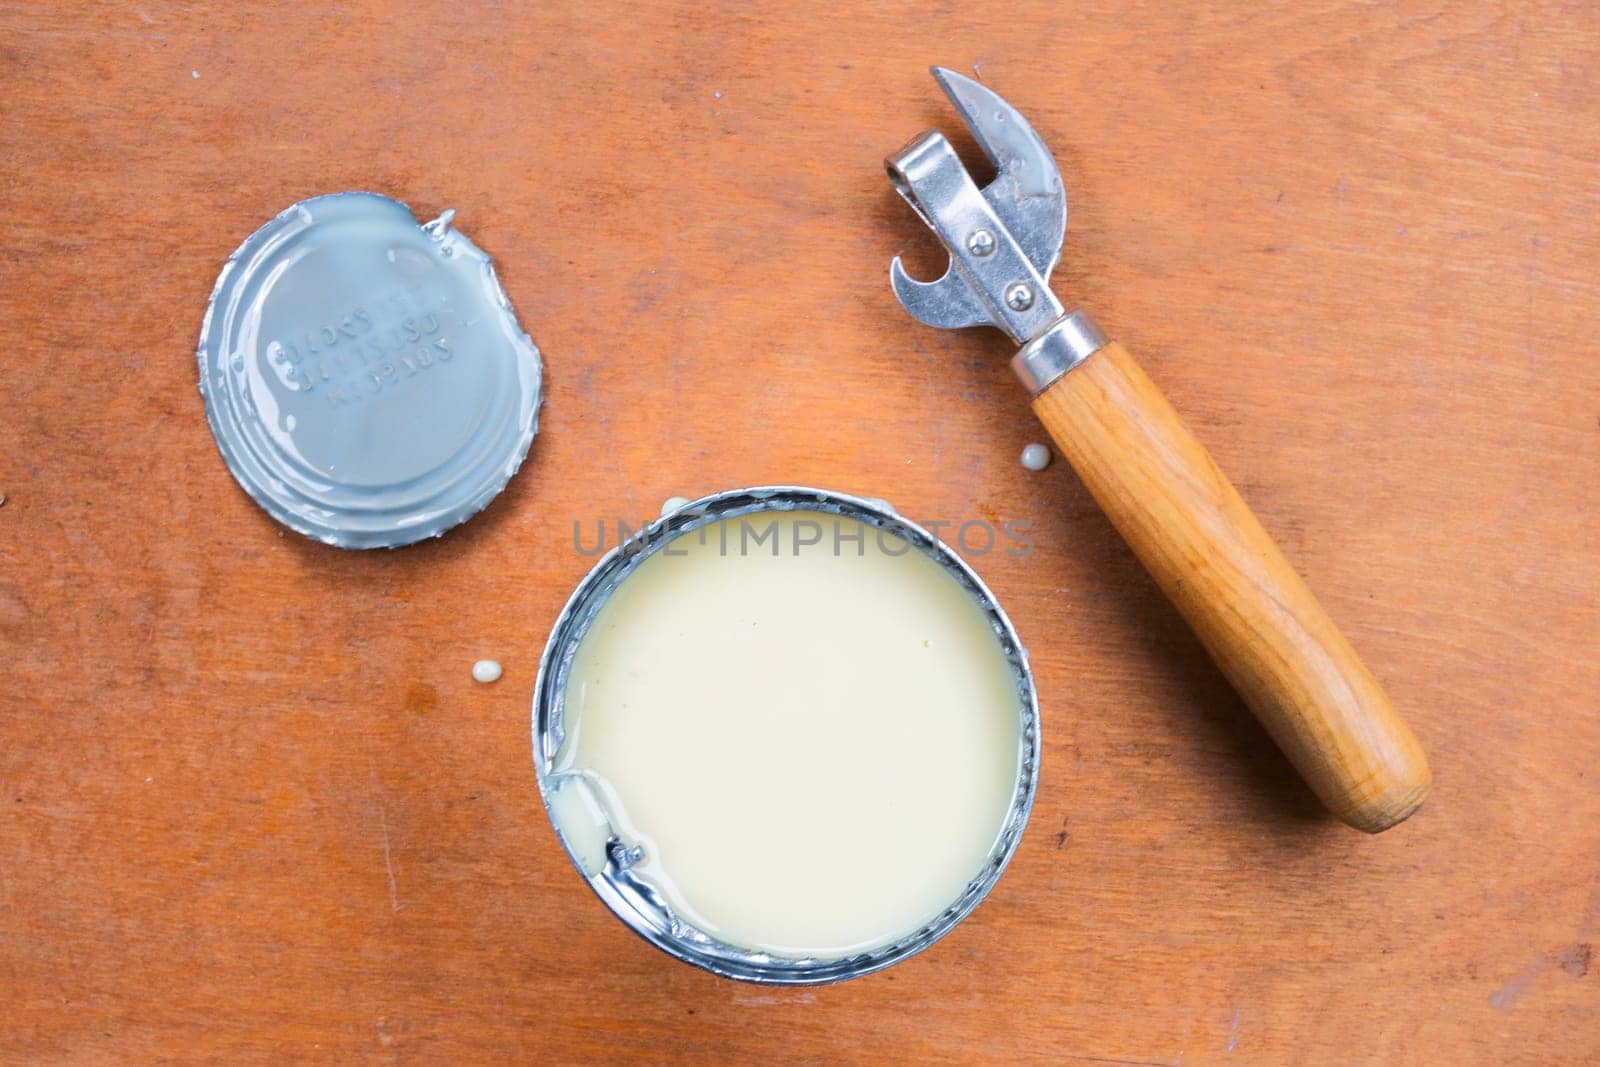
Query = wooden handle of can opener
x=1253 y=613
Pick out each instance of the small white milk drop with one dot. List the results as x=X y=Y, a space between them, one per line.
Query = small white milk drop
x=671 y=504
x=1036 y=457
x=486 y=671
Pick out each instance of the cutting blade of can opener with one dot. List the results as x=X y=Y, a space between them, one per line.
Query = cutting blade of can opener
x=1157 y=484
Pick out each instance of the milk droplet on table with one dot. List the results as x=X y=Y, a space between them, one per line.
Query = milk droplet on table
x=1036 y=457
x=486 y=671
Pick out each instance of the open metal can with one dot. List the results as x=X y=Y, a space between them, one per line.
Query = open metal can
x=608 y=862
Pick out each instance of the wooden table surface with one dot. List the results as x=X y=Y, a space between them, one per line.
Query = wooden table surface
x=255 y=808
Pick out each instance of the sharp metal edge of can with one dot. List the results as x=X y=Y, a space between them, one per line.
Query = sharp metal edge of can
x=634 y=902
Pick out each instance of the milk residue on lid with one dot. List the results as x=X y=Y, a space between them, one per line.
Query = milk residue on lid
x=364 y=376
x=809 y=746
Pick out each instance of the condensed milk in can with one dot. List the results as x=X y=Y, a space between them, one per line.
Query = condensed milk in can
x=786 y=735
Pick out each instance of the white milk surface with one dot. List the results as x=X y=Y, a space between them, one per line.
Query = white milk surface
x=816 y=752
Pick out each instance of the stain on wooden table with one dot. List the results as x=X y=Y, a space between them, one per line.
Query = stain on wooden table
x=255 y=808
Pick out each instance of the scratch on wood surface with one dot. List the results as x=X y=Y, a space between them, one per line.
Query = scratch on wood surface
x=1530 y=269
x=591 y=391
x=388 y=862
x=1519 y=983
x=1574 y=959
x=383 y=825
x=1233 y=1029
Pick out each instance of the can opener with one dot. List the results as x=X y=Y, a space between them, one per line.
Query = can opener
x=1154 y=480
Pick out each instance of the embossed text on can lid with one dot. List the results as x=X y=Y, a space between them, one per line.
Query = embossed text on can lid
x=364 y=375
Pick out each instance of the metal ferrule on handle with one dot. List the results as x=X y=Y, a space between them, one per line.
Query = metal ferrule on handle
x=1067 y=342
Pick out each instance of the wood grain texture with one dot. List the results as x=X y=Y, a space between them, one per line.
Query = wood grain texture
x=1207 y=551
x=254 y=808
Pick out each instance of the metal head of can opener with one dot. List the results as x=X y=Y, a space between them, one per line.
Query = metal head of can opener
x=1004 y=240
x=1154 y=480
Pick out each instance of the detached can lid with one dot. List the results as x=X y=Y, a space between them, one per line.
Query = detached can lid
x=364 y=375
